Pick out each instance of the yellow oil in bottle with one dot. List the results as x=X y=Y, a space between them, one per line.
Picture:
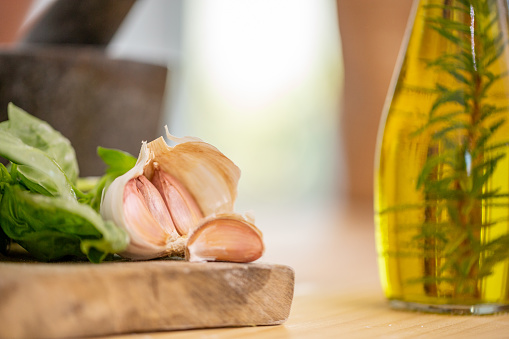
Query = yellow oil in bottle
x=442 y=175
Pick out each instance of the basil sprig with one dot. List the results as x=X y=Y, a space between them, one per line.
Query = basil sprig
x=40 y=207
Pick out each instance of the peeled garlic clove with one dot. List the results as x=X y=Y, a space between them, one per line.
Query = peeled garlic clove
x=184 y=210
x=225 y=238
x=148 y=225
x=154 y=202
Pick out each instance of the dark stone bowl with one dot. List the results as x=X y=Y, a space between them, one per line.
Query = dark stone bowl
x=90 y=98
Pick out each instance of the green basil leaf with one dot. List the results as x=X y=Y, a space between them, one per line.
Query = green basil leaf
x=38 y=167
x=116 y=160
x=53 y=227
x=36 y=180
x=39 y=134
x=5 y=176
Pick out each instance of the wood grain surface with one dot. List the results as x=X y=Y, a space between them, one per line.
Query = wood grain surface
x=80 y=299
x=351 y=315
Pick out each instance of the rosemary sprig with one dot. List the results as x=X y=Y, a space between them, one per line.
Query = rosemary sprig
x=461 y=159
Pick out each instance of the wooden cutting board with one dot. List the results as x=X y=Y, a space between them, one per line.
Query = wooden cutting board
x=64 y=300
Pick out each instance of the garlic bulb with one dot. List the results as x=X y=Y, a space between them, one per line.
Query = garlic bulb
x=225 y=238
x=167 y=194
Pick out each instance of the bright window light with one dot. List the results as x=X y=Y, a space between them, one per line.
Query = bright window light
x=261 y=80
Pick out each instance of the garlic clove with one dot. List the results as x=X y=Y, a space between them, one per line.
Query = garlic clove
x=209 y=176
x=155 y=204
x=225 y=238
x=124 y=204
x=184 y=210
x=145 y=231
x=142 y=223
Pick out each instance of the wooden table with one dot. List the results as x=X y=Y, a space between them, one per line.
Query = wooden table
x=337 y=292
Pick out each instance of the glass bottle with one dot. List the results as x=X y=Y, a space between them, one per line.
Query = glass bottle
x=442 y=167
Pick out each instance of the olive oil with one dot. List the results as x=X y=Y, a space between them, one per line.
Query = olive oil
x=442 y=176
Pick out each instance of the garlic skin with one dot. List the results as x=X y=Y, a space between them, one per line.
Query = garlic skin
x=203 y=182
x=208 y=174
x=227 y=237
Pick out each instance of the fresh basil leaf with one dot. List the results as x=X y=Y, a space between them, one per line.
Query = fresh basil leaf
x=5 y=176
x=36 y=180
x=53 y=227
x=39 y=134
x=115 y=240
x=37 y=166
x=50 y=245
x=38 y=205
x=86 y=184
x=116 y=160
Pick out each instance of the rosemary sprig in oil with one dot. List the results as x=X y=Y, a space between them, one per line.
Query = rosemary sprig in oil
x=461 y=159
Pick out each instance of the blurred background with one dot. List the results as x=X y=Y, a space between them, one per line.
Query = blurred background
x=290 y=90
x=257 y=79
x=260 y=80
